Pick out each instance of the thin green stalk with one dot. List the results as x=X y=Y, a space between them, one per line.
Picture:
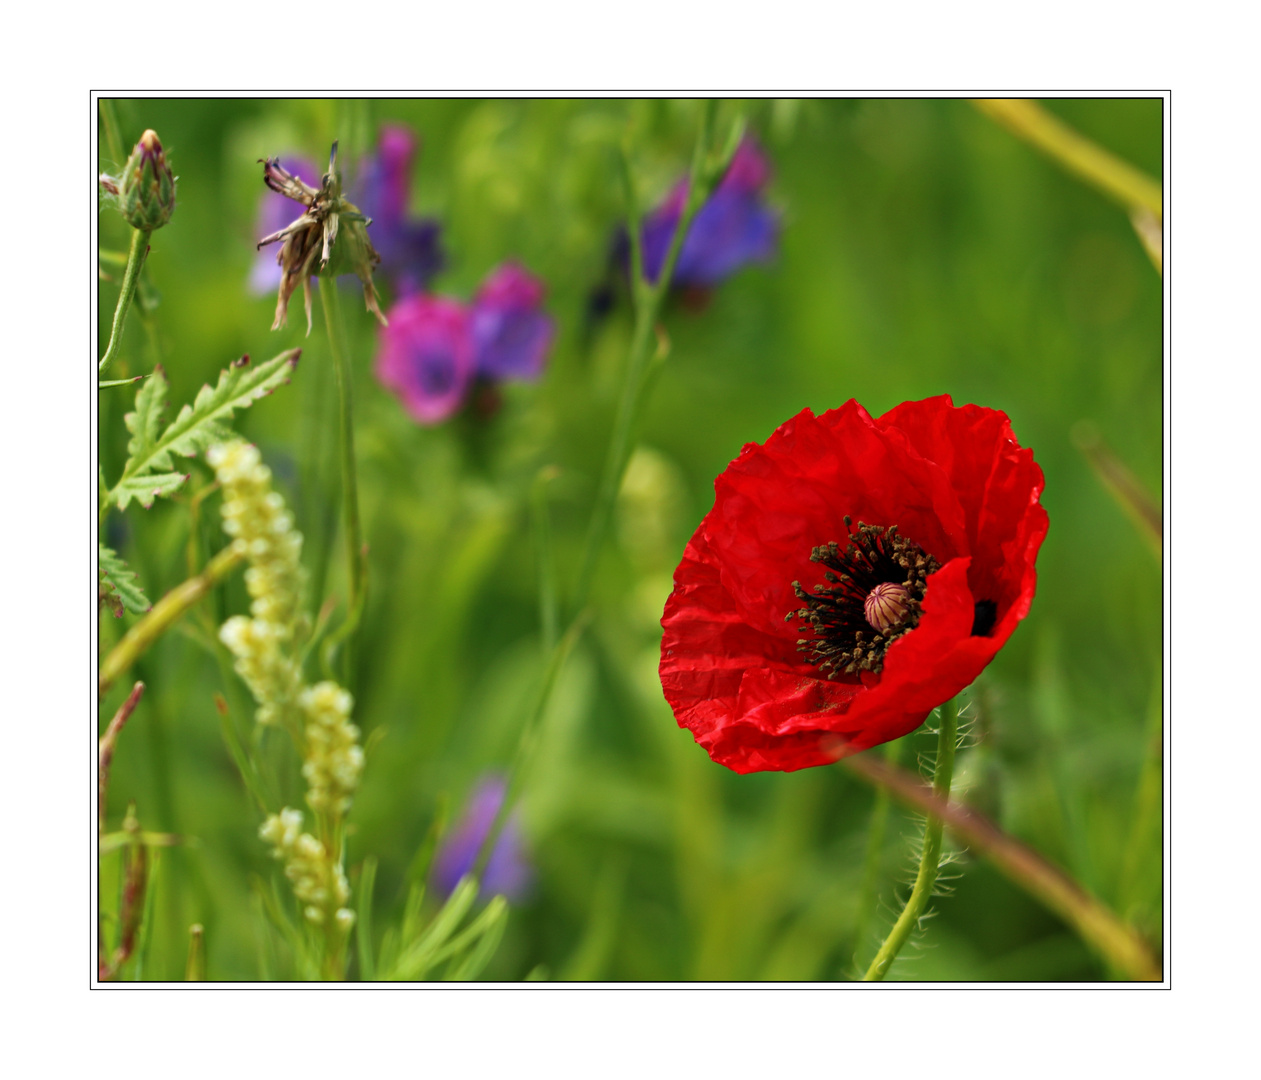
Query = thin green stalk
x=350 y=482
x=525 y=744
x=1122 y=947
x=363 y=924
x=113 y=135
x=164 y=613
x=930 y=858
x=135 y=260
x=1097 y=166
x=647 y=299
x=871 y=860
x=546 y=556
x=195 y=967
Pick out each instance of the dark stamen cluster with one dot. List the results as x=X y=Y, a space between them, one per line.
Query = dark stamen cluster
x=844 y=641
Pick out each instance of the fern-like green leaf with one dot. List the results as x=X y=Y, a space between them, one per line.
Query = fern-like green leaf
x=145 y=488
x=197 y=427
x=118 y=583
x=145 y=423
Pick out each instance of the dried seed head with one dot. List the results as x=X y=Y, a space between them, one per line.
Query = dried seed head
x=330 y=237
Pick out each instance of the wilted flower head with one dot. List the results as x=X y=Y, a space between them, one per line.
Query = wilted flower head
x=146 y=188
x=410 y=248
x=331 y=235
x=511 y=334
x=274 y=212
x=507 y=872
x=435 y=346
x=426 y=355
x=733 y=228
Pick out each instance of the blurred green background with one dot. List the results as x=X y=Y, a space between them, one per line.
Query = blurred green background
x=925 y=250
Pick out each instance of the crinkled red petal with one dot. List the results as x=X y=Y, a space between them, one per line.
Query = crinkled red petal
x=953 y=480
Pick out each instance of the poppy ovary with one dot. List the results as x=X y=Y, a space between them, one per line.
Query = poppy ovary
x=887 y=605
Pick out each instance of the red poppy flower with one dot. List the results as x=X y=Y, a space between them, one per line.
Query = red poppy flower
x=853 y=574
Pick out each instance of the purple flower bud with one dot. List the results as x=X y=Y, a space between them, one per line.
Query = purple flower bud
x=275 y=211
x=511 y=335
x=410 y=248
x=426 y=355
x=507 y=872
x=733 y=228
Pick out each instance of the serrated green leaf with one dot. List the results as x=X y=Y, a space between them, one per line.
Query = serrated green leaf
x=197 y=427
x=107 y=595
x=145 y=423
x=144 y=489
x=204 y=423
x=121 y=580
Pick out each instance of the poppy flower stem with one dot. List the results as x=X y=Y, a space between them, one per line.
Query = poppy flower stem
x=871 y=862
x=1119 y=944
x=131 y=278
x=930 y=859
x=350 y=484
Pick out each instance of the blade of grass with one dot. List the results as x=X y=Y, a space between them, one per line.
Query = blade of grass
x=1100 y=168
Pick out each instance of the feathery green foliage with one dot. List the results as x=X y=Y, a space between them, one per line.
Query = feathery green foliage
x=119 y=585
x=197 y=426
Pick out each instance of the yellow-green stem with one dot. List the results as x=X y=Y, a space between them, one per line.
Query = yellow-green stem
x=930 y=858
x=164 y=613
x=135 y=260
x=1094 y=164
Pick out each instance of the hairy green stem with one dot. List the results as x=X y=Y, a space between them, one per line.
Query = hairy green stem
x=1097 y=166
x=135 y=260
x=930 y=858
x=350 y=482
x=1097 y=925
x=164 y=613
x=871 y=860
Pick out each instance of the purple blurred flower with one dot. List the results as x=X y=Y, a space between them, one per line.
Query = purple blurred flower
x=435 y=346
x=410 y=248
x=511 y=335
x=507 y=872
x=733 y=228
x=426 y=355
x=275 y=211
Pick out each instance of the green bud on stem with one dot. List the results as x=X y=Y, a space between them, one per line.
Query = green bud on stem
x=146 y=188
